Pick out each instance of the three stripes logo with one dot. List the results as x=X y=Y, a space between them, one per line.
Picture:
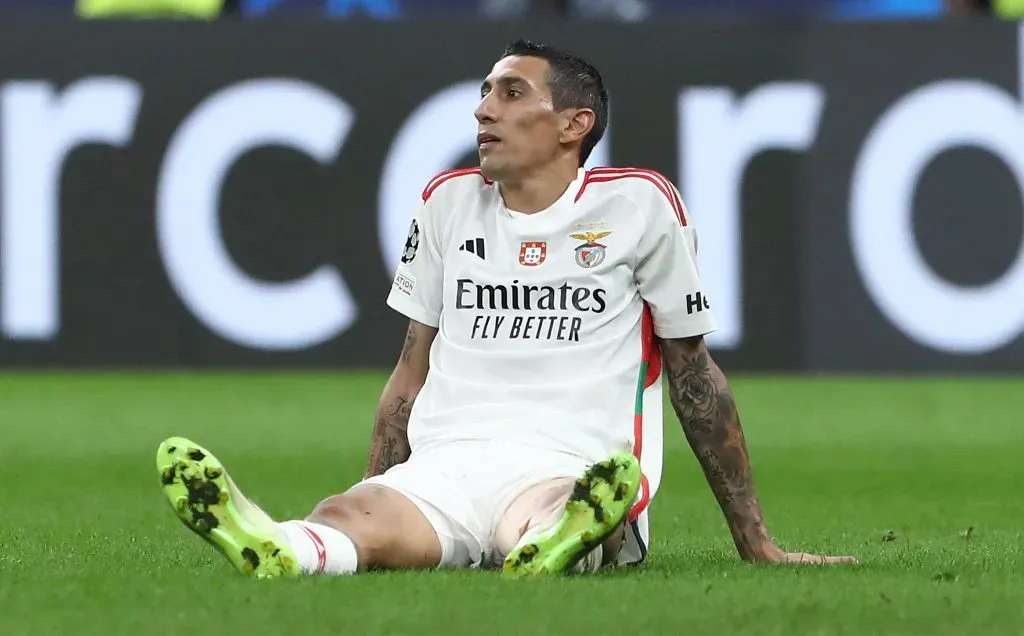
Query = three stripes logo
x=474 y=246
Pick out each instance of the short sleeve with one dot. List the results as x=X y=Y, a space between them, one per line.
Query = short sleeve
x=417 y=290
x=667 y=271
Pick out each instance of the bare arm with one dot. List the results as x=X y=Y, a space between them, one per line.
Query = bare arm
x=707 y=412
x=704 y=403
x=390 y=443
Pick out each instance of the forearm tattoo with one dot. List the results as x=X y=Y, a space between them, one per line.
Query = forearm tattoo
x=707 y=412
x=409 y=345
x=390 y=444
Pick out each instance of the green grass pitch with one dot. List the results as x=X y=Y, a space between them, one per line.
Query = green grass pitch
x=921 y=479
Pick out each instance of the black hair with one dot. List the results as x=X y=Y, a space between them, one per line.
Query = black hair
x=574 y=83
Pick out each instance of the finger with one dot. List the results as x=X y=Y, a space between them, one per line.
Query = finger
x=841 y=560
x=802 y=558
x=806 y=558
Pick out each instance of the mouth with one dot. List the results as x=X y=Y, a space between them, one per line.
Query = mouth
x=486 y=140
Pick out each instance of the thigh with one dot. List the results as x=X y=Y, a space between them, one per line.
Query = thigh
x=531 y=507
x=541 y=505
x=519 y=486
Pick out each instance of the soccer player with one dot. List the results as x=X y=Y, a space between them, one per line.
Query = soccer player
x=521 y=426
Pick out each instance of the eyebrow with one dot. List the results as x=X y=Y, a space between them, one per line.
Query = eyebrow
x=508 y=80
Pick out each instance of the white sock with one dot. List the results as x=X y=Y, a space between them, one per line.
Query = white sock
x=591 y=562
x=320 y=549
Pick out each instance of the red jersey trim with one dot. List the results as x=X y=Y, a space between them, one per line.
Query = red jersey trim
x=604 y=175
x=651 y=362
x=447 y=175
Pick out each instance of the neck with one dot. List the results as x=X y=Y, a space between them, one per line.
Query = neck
x=538 y=191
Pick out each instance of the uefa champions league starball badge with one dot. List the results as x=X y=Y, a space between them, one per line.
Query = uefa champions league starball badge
x=412 y=243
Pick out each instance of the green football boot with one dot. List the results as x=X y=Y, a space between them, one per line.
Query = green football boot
x=208 y=503
x=599 y=503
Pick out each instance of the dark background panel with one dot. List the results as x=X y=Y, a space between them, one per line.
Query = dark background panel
x=967 y=207
x=282 y=214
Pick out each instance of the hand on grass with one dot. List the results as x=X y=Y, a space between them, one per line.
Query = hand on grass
x=772 y=554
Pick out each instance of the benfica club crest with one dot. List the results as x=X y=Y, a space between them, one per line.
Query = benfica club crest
x=591 y=253
x=532 y=253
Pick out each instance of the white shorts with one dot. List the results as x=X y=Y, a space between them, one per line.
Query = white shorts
x=464 y=488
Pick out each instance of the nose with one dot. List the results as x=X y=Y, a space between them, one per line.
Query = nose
x=485 y=112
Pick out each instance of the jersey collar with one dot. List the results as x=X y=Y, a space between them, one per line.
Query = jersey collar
x=567 y=199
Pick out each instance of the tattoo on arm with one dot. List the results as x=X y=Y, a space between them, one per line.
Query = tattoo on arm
x=707 y=412
x=410 y=344
x=390 y=442
x=390 y=445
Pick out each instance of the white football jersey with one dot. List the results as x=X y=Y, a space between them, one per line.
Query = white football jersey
x=547 y=322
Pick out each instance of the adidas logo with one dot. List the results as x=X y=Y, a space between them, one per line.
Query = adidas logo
x=474 y=246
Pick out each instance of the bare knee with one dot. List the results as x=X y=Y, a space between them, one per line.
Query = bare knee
x=387 y=529
x=340 y=512
x=343 y=513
